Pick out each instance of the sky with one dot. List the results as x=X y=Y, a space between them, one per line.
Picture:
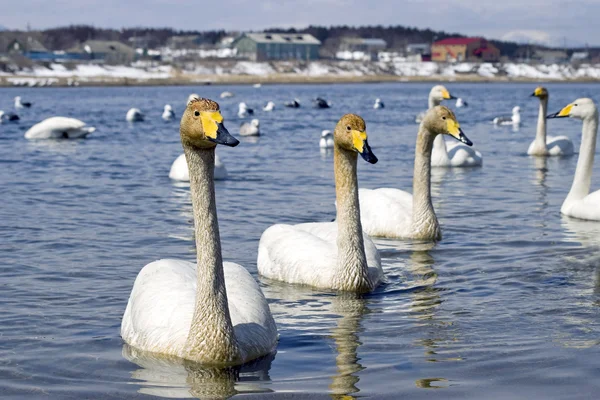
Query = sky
x=551 y=22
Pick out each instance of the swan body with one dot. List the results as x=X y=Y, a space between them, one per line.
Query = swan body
x=331 y=255
x=269 y=107
x=59 y=128
x=515 y=119
x=180 y=172
x=21 y=104
x=226 y=95
x=393 y=213
x=326 y=141
x=580 y=203
x=250 y=128
x=168 y=113
x=8 y=117
x=378 y=104
x=244 y=110
x=545 y=145
x=210 y=312
x=134 y=115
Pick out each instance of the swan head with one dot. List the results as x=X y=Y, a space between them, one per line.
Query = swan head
x=540 y=92
x=255 y=122
x=202 y=125
x=325 y=133
x=581 y=109
x=441 y=120
x=516 y=110
x=351 y=134
x=192 y=97
x=439 y=92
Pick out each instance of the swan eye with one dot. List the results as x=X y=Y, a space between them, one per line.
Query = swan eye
x=348 y=128
x=444 y=118
x=197 y=113
x=575 y=104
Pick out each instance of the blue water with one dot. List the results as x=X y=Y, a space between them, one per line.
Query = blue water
x=506 y=306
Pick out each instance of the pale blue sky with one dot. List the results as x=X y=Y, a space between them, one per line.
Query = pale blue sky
x=548 y=21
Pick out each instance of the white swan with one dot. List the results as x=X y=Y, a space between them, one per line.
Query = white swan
x=395 y=213
x=20 y=104
x=580 y=203
x=515 y=119
x=250 y=128
x=378 y=104
x=226 y=95
x=437 y=94
x=326 y=141
x=269 y=107
x=547 y=145
x=168 y=113
x=134 y=115
x=244 y=110
x=329 y=255
x=212 y=312
x=180 y=172
x=59 y=128
x=192 y=97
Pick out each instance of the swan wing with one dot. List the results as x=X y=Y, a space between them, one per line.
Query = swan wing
x=559 y=146
x=59 y=127
x=463 y=156
x=385 y=212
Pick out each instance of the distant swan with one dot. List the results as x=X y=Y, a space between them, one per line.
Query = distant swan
x=212 y=312
x=180 y=172
x=21 y=104
x=547 y=145
x=250 y=128
x=580 y=203
x=59 y=128
x=168 y=113
x=244 y=110
x=326 y=141
x=269 y=107
x=395 y=213
x=515 y=119
x=134 y=115
x=461 y=103
x=329 y=255
x=226 y=95
x=378 y=104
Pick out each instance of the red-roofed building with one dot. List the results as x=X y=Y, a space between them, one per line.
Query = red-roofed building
x=464 y=49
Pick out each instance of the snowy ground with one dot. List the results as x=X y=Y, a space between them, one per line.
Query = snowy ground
x=58 y=73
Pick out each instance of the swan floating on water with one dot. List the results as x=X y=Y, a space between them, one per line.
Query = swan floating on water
x=329 y=255
x=394 y=213
x=321 y=103
x=378 y=104
x=59 y=128
x=257 y=85
x=461 y=103
x=21 y=104
x=437 y=94
x=269 y=107
x=226 y=95
x=515 y=119
x=180 y=172
x=580 y=203
x=547 y=145
x=292 y=104
x=244 y=110
x=211 y=312
x=134 y=115
x=326 y=141
x=8 y=117
x=250 y=128
x=168 y=113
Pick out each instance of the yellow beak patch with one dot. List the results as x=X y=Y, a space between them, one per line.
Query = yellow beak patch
x=565 y=111
x=453 y=127
x=210 y=121
x=445 y=94
x=358 y=140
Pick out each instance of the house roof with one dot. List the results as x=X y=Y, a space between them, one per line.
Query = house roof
x=26 y=40
x=297 y=38
x=457 y=41
x=103 y=46
x=365 y=41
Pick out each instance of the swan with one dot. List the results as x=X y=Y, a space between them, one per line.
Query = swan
x=321 y=103
x=269 y=107
x=244 y=111
x=226 y=95
x=134 y=115
x=20 y=104
x=437 y=94
x=168 y=113
x=250 y=128
x=180 y=172
x=378 y=104
x=394 y=213
x=326 y=141
x=580 y=203
x=59 y=128
x=192 y=97
x=515 y=119
x=8 y=117
x=547 y=145
x=210 y=312
x=461 y=103
x=257 y=85
x=329 y=255
x=292 y=104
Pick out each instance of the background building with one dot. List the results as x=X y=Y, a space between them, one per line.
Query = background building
x=360 y=48
x=105 y=51
x=277 y=46
x=464 y=49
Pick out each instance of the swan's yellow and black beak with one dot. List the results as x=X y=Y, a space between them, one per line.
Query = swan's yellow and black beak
x=457 y=133
x=538 y=92
x=446 y=95
x=359 y=139
x=215 y=131
x=564 y=113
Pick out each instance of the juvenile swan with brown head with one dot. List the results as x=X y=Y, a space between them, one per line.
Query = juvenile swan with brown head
x=329 y=255
x=213 y=312
x=394 y=213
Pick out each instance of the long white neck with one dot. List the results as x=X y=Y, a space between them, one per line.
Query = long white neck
x=540 y=136
x=583 y=172
x=433 y=101
x=439 y=144
x=211 y=337
x=424 y=221
x=352 y=270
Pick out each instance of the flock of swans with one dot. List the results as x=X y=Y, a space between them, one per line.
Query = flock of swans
x=214 y=312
